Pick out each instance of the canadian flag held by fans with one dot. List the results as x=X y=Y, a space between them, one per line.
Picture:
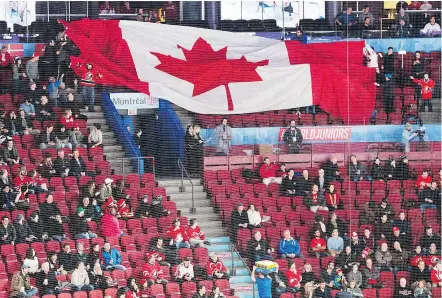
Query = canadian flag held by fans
x=215 y=72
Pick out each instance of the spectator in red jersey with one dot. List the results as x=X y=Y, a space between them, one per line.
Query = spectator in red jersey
x=88 y=84
x=318 y=245
x=152 y=272
x=427 y=86
x=196 y=236
x=282 y=172
x=417 y=256
x=215 y=268
x=424 y=181
x=294 y=278
x=21 y=178
x=110 y=227
x=433 y=255
x=6 y=62
x=178 y=235
x=436 y=275
x=170 y=12
x=268 y=172
x=67 y=120
x=332 y=198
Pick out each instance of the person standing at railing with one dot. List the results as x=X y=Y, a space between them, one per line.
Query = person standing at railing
x=224 y=136
x=126 y=8
x=366 y=14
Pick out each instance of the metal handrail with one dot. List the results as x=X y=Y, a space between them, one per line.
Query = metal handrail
x=184 y=171
x=129 y=159
x=232 y=272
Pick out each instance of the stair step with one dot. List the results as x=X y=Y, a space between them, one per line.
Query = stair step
x=219 y=239
x=112 y=148
x=187 y=189
x=240 y=279
x=188 y=196
x=224 y=248
x=177 y=182
x=228 y=262
x=199 y=211
x=108 y=134
x=91 y=121
x=115 y=155
x=241 y=271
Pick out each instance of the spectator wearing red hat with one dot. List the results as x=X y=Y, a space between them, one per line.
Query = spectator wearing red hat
x=109 y=203
x=110 y=227
x=196 y=236
x=152 y=272
x=436 y=275
x=215 y=268
x=124 y=210
x=318 y=245
x=423 y=181
x=268 y=172
x=397 y=236
x=178 y=235
x=340 y=282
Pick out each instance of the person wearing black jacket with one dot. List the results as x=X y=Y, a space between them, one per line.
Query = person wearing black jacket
x=23 y=231
x=288 y=185
x=56 y=229
x=430 y=238
x=61 y=164
x=189 y=142
x=36 y=227
x=48 y=211
x=80 y=227
x=335 y=222
x=293 y=138
x=48 y=64
x=46 y=168
x=7 y=231
x=43 y=110
x=304 y=184
x=47 y=283
x=77 y=167
x=258 y=249
x=390 y=169
x=428 y=197
x=74 y=105
x=377 y=171
x=239 y=220
x=331 y=170
x=91 y=210
x=388 y=93
x=143 y=207
x=403 y=170
x=388 y=64
x=346 y=260
x=156 y=209
x=66 y=258
x=403 y=290
x=48 y=139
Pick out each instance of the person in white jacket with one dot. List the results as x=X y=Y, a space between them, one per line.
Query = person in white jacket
x=80 y=279
x=184 y=271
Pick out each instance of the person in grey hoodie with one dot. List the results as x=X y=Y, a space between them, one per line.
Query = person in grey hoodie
x=32 y=68
x=354 y=290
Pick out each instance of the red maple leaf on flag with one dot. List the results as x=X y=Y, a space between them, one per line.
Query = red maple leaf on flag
x=207 y=69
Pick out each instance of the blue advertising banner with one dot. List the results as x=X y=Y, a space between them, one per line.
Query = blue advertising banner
x=323 y=134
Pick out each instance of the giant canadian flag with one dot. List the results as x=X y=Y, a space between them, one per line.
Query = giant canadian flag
x=215 y=72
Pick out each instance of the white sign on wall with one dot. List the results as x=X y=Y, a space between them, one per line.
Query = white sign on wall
x=17 y=12
x=134 y=101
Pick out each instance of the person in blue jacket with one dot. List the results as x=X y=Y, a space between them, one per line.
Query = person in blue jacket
x=289 y=247
x=112 y=258
x=263 y=282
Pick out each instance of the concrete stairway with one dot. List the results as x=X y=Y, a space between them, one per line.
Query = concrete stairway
x=185 y=116
x=435 y=116
x=112 y=150
x=212 y=227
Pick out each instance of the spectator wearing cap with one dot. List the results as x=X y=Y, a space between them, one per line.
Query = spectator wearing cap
x=403 y=171
x=383 y=257
x=106 y=189
x=407 y=136
x=184 y=271
x=80 y=227
x=7 y=231
x=109 y=203
x=399 y=237
x=259 y=249
x=340 y=282
x=156 y=209
x=112 y=257
x=318 y=245
x=215 y=268
x=196 y=236
x=429 y=196
x=268 y=172
x=385 y=208
x=239 y=220
x=335 y=244
x=289 y=247
x=32 y=68
x=178 y=235
x=430 y=238
x=152 y=272
x=21 y=284
x=110 y=227
x=423 y=181
x=124 y=210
